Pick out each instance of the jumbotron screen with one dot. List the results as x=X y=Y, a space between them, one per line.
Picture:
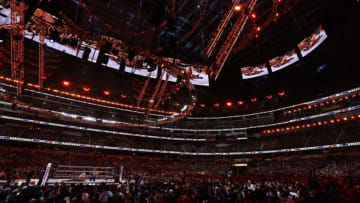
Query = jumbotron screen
x=199 y=76
x=283 y=61
x=254 y=71
x=312 y=42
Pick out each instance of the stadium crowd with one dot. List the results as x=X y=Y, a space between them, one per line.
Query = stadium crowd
x=297 y=178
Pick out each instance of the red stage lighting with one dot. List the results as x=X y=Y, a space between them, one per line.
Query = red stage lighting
x=325 y=122
x=123 y=96
x=66 y=83
x=258 y=28
x=106 y=92
x=86 y=89
x=338 y=120
x=269 y=96
x=202 y=105
x=216 y=105
x=240 y=103
x=237 y=7
x=282 y=93
x=253 y=99
x=253 y=16
x=229 y=104
x=279 y=1
x=352 y=117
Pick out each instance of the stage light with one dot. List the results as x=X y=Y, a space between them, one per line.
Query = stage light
x=282 y=129
x=264 y=131
x=345 y=118
x=287 y=128
x=277 y=130
x=341 y=99
x=123 y=96
x=272 y=130
x=106 y=92
x=292 y=128
x=314 y=124
x=354 y=95
x=237 y=7
x=279 y=1
x=294 y=110
x=202 y=105
x=352 y=117
x=253 y=16
x=338 y=120
x=253 y=99
x=332 y=121
x=240 y=103
x=66 y=83
x=258 y=28
x=319 y=123
x=282 y=93
x=303 y=126
x=359 y=116
x=325 y=122
x=309 y=107
x=86 y=89
x=305 y=107
x=308 y=125
x=269 y=96
x=315 y=105
x=229 y=104
x=216 y=105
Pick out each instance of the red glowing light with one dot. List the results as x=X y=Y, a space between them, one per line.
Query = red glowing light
x=279 y=1
x=282 y=93
x=86 y=89
x=237 y=7
x=240 y=103
x=66 y=83
x=202 y=105
x=352 y=117
x=338 y=120
x=253 y=16
x=216 y=105
x=123 y=96
x=325 y=122
x=229 y=104
x=269 y=96
x=106 y=92
x=253 y=99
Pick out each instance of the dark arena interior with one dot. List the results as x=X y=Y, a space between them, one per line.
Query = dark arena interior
x=184 y=101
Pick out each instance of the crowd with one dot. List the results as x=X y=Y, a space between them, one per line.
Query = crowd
x=297 y=178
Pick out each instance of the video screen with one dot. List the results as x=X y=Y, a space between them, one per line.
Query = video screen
x=284 y=61
x=312 y=42
x=200 y=76
x=255 y=71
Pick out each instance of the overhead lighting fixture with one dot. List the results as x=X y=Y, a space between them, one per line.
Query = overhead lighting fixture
x=229 y=104
x=237 y=7
x=66 y=83
x=86 y=89
x=106 y=92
